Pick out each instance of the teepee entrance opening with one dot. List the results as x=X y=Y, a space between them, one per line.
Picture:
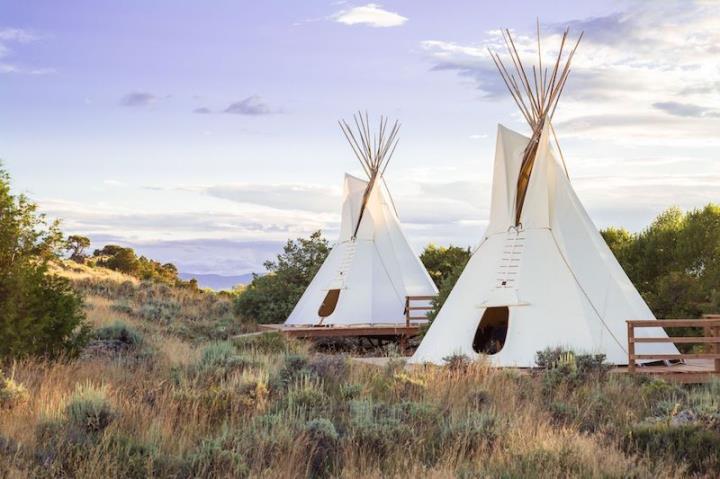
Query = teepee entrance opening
x=492 y=330
x=329 y=303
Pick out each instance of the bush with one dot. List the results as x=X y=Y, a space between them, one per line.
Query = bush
x=295 y=366
x=162 y=311
x=378 y=428
x=323 y=440
x=331 y=369
x=267 y=343
x=121 y=332
x=218 y=455
x=89 y=408
x=691 y=444
x=471 y=432
x=40 y=314
x=219 y=359
x=457 y=362
x=307 y=395
x=12 y=393
x=564 y=366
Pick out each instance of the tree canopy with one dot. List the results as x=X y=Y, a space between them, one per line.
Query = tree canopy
x=40 y=314
x=674 y=262
x=270 y=298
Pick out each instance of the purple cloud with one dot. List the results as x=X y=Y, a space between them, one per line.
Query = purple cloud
x=138 y=99
x=687 y=109
x=252 y=105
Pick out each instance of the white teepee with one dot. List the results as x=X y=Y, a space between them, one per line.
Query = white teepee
x=371 y=269
x=543 y=275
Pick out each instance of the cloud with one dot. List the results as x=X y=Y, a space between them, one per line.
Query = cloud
x=687 y=109
x=286 y=197
x=138 y=99
x=18 y=36
x=649 y=62
x=371 y=15
x=252 y=105
x=202 y=110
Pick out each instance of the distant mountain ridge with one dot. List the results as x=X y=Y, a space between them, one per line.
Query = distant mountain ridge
x=217 y=282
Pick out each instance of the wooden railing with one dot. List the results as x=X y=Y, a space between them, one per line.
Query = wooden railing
x=709 y=323
x=409 y=308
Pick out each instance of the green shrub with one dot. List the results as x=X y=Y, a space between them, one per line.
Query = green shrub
x=470 y=432
x=331 y=369
x=89 y=408
x=350 y=391
x=544 y=463
x=564 y=366
x=688 y=444
x=323 y=440
x=267 y=343
x=307 y=395
x=12 y=393
x=294 y=367
x=123 y=306
x=218 y=456
x=457 y=362
x=161 y=311
x=219 y=360
x=121 y=332
x=378 y=429
x=562 y=412
x=217 y=354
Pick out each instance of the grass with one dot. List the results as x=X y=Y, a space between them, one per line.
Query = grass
x=263 y=406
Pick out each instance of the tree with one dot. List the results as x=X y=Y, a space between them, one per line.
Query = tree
x=40 y=314
x=76 y=246
x=441 y=262
x=118 y=258
x=674 y=262
x=271 y=297
x=444 y=265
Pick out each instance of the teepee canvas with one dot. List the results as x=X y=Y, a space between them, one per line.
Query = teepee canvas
x=543 y=275
x=372 y=269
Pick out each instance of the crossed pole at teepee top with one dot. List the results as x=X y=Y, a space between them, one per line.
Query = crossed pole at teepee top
x=536 y=99
x=372 y=151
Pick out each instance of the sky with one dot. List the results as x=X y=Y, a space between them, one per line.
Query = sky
x=204 y=133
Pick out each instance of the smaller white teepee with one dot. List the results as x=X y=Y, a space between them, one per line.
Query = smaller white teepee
x=372 y=269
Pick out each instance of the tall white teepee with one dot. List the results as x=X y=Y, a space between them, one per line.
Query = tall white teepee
x=372 y=268
x=542 y=276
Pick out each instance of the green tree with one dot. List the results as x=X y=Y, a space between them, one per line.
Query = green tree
x=441 y=262
x=444 y=264
x=118 y=258
x=76 y=246
x=674 y=262
x=40 y=314
x=271 y=297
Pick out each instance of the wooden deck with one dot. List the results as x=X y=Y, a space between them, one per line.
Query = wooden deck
x=696 y=367
x=693 y=371
x=385 y=330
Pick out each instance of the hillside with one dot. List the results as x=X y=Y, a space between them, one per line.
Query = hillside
x=156 y=395
x=218 y=282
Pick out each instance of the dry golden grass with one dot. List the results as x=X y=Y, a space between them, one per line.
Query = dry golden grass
x=188 y=407
x=76 y=271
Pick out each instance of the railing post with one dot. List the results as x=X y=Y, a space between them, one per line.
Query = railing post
x=715 y=331
x=631 y=347
x=407 y=311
